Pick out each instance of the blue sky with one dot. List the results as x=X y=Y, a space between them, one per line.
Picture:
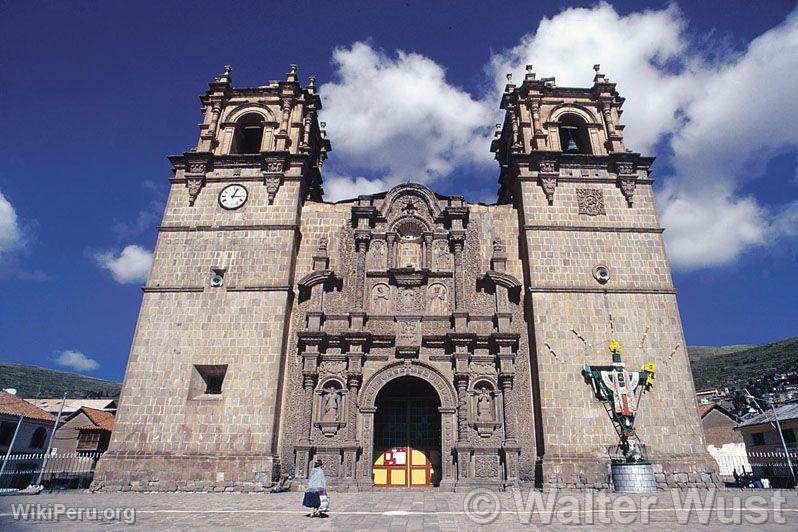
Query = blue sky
x=96 y=95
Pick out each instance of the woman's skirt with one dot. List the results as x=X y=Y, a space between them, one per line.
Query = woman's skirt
x=312 y=499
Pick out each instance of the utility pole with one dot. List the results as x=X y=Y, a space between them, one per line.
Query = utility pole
x=11 y=446
x=50 y=441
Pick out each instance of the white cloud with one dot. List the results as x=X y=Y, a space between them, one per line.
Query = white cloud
x=10 y=232
x=398 y=118
x=76 y=360
x=632 y=50
x=132 y=265
x=723 y=118
x=338 y=187
x=721 y=115
x=711 y=230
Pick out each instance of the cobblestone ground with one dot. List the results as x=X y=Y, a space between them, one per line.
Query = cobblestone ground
x=407 y=510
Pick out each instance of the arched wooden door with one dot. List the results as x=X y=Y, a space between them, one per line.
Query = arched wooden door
x=407 y=439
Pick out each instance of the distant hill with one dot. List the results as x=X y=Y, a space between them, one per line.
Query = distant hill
x=724 y=366
x=34 y=382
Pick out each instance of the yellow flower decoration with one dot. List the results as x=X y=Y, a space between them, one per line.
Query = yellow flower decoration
x=650 y=367
x=615 y=347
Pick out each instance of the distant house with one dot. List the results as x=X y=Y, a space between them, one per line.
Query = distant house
x=724 y=443
x=31 y=441
x=705 y=395
x=73 y=405
x=34 y=431
x=86 y=430
x=763 y=444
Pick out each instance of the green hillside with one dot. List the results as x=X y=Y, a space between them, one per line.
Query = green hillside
x=724 y=366
x=35 y=382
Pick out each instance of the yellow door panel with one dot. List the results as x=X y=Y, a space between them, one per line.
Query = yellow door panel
x=398 y=477
x=418 y=477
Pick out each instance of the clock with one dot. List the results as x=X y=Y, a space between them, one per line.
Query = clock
x=233 y=196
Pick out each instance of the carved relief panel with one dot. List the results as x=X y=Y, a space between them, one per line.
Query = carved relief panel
x=378 y=255
x=381 y=299
x=441 y=257
x=408 y=299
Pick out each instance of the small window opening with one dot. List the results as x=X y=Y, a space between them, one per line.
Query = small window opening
x=212 y=378
x=574 y=137
x=248 y=135
x=37 y=441
x=6 y=433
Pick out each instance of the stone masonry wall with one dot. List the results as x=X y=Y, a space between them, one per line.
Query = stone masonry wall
x=564 y=246
x=167 y=437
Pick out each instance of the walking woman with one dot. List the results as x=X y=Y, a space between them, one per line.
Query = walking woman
x=317 y=488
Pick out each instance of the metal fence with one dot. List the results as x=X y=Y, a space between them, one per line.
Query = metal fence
x=61 y=471
x=759 y=465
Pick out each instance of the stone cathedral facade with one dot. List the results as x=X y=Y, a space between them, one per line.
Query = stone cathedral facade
x=406 y=338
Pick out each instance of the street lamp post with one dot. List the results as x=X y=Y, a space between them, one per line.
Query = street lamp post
x=778 y=428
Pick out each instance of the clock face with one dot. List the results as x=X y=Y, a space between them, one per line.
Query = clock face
x=233 y=196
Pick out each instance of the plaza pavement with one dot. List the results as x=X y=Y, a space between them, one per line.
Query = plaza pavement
x=408 y=510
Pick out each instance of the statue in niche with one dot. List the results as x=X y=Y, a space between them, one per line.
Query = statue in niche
x=409 y=254
x=442 y=257
x=437 y=299
x=377 y=255
x=484 y=406
x=381 y=299
x=332 y=403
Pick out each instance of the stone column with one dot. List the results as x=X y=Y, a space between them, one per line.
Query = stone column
x=462 y=408
x=305 y=445
x=391 y=260
x=353 y=382
x=368 y=446
x=362 y=238
x=457 y=241
x=509 y=408
x=607 y=112
x=428 y=250
x=209 y=134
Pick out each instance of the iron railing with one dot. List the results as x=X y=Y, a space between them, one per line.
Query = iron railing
x=61 y=471
x=759 y=465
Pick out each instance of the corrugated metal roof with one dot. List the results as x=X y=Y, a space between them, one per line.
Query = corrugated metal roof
x=784 y=412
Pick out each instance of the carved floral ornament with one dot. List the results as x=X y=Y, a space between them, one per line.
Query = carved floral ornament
x=549 y=185
x=196 y=167
x=627 y=187
x=590 y=201
x=625 y=168
x=194 y=186
x=272 y=186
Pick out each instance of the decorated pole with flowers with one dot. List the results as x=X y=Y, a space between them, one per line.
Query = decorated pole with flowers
x=620 y=391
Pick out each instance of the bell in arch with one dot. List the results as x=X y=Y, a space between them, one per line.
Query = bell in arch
x=572 y=146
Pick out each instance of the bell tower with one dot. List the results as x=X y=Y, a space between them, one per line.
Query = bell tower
x=595 y=270
x=201 y=401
